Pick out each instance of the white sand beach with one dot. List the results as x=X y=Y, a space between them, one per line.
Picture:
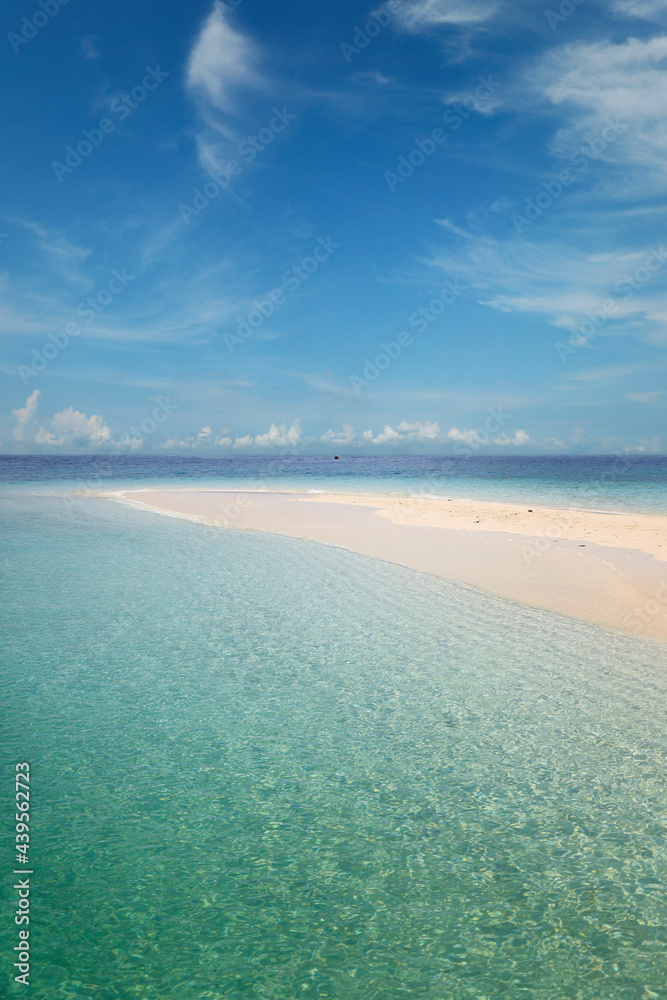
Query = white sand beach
x=606 y=568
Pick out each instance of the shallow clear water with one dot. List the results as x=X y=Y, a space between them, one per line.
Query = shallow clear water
x=622 y=483
x=265 y=768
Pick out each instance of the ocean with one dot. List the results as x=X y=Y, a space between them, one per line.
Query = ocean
x=634 y=483
x=266 y=768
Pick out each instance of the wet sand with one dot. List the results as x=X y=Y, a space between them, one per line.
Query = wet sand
x=605 y=568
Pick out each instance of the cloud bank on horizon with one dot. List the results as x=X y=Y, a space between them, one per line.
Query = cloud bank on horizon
x=74 y=432
x=423 y=226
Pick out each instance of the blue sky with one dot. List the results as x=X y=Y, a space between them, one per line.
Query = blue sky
x=336 y=227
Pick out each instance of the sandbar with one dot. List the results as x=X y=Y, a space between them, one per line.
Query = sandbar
x=606 y=568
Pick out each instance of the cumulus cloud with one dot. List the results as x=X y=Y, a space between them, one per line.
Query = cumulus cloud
x=404 y=431
x=246 y=441
x=133 y=443
x=73 y=429
x=276 y=437
x=280 y=437
x=519 y=440
x=617 y=445
x=284 y=436
x=203 y=439
x=470 y=437
x=75 y=425
x=26 y=418
x=69 y=429
x=346 y=436
x=477 y=438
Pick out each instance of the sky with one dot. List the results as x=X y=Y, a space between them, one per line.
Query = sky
x=419 y=227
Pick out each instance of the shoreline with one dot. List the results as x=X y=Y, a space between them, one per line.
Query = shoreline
x=324 y=494
x=607 y=568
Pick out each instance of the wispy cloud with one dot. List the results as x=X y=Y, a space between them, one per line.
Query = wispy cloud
x=647 y=398
x=612 y=372
x=420 y=15
x=594 y=82
x=648 y=10
x=563 y=283
x=223 y=61
x=89 y=49
x=62 y=257
x=447 y=224
x=223 y=71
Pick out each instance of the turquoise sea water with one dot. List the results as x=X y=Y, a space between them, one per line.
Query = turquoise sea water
x=623 y=483
x=264 y=768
